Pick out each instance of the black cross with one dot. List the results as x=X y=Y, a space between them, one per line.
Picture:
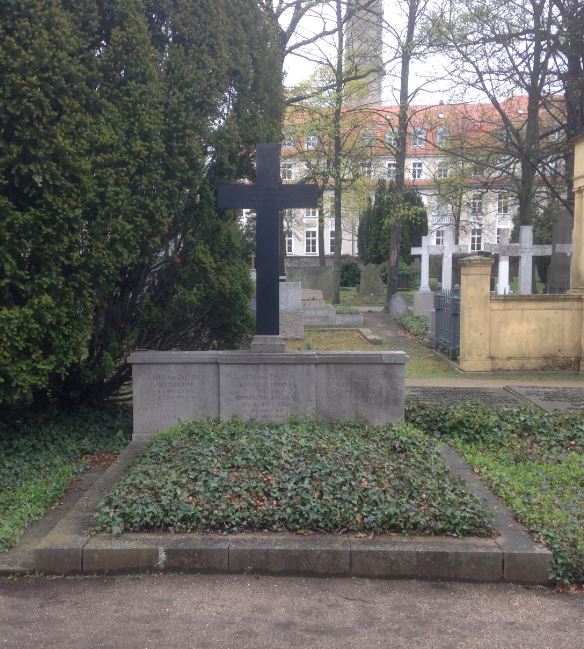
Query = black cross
x=267 y=197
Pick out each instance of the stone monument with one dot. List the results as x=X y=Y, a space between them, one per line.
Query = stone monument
x=266 y=384
x=370 y=282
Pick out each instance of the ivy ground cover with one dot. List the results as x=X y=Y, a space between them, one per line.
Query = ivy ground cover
x=534 y=461
x=235 y=477
x=41 y=453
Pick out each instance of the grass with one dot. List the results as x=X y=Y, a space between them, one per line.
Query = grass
x=533 y=460
x=41 y=453
x=350 y=296
x=305 y=476
x=331 y=340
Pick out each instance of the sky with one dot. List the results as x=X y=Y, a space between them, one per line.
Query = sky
x=423 y=72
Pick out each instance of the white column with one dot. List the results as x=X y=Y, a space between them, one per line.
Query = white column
x=447 y=259
x=525 y=259
x=425 y=268
x=503 y=279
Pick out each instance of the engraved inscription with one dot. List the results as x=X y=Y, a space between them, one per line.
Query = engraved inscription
x=175 y=386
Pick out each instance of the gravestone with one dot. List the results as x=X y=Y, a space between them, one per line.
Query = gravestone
x=266 y=384
x=291 y=311
x=398 y=305
x=550 y=398
x=370 y=283
x=267 y=197
x=319 y=278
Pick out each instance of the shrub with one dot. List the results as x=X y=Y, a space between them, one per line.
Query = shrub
x=417 y=325
x=350 y=273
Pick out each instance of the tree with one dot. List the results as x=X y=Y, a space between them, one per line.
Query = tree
x=116 y=127
x=380 y=215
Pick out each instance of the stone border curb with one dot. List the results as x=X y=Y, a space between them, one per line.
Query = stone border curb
x=369 y=336
x=512 y=556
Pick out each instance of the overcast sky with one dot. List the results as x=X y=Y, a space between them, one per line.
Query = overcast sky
x=300 y=67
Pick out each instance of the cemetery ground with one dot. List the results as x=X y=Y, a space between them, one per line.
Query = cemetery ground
x=534 y=464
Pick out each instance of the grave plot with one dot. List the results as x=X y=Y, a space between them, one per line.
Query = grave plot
x=440 y=396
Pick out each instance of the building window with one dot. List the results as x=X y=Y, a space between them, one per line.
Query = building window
x=442 y=170
x=311 y=213
x=478 y=171
x=391 y=138
x=288 y=142
x=311 y=141
x=286 y=171
x=502 y=203
x=367 y=137
x=391 y=170
x=442 y=213
x=289 y=244
x=442 y=135
x=311 y=242
x=419 y=137
x=368 y=169
x=476 y=239
x=416 y=170
x=439 y=237
x=476 y=205
x=332 y=242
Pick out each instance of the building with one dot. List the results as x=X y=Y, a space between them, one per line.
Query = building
x=458 y=158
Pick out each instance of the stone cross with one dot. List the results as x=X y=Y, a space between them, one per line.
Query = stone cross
x=267 y=197
x=446 y=250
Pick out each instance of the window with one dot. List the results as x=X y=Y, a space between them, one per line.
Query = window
x=311 y=141
x=311 y=213
x=288 y=142
x=368 y=169
x=391 y=170
x=502 y=203
x=367 y=137
x=289 y=244
x=391 y=138
x=419 y=137
x=442 y=135
x=442 y=170
x=439 y=237
x=311 y=242
x=286 y=171
x=476 y=205
x=478 y=171
x=416 y=170
x=332 y=242
x=476 y=239
x=442 y=213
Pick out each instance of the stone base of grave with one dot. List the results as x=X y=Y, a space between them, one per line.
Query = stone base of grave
x=174 y=387
x=267 y=344
x=423 y=303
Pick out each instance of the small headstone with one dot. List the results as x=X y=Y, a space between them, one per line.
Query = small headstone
x=398 y=305
x=371 y=283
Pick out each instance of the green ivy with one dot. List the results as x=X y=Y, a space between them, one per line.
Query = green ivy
x=417 y=325
x=233 y=477
x=533 y=460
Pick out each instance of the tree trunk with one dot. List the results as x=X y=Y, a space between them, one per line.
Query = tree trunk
x=321 y=259
x=400 y=158
x=337 y=171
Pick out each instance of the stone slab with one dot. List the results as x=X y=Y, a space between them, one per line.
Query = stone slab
x=156 y=552
x=470 y=559
x=371 y=394
x=166 y=395
x=267 y=392
x=550 y=398
x=398 y=305
x=369 y=336
x=423 y=303
x=266 y=387
x=439 y=396
x=290 y=556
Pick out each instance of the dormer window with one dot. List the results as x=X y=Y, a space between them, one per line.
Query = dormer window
x=288 y=142
x=442 y=134
x=391 y=138
x=311 y=141
x=367 y=137
x=419 y=138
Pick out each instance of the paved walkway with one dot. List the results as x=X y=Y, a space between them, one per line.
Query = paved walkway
x=245 y=612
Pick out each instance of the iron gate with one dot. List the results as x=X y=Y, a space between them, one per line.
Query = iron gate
x=447 y=308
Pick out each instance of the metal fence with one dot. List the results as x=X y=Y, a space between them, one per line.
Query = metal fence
x=447 y=308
